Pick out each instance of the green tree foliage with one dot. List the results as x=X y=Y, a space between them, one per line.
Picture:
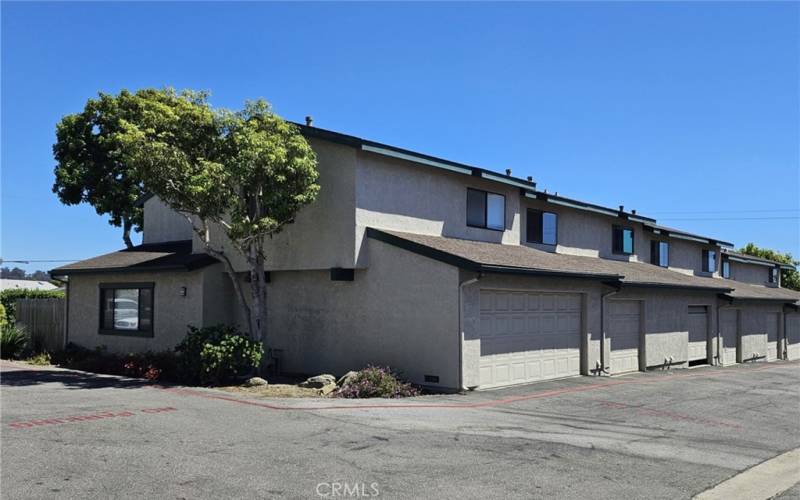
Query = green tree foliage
x=789 y=278
x=92 y=164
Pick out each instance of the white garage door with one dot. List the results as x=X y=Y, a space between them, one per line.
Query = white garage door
x=793 y=336
x=698 y=333
x=623 y=331
x=773 y=322
x=528 y=336
x=729 y=326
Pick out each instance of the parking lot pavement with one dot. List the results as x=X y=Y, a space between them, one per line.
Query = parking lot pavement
x=656 y=435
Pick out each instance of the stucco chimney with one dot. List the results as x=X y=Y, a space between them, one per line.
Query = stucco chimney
x=309 y=121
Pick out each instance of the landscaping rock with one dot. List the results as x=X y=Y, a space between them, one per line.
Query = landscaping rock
x=319 y=381
x=255 y=382
x=347 y=377
x=327 y=389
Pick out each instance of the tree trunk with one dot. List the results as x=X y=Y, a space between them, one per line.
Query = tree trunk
x=258 y=290
x=127 y=225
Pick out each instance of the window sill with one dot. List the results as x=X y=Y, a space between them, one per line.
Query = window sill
x=126 y=333
x=487 y=228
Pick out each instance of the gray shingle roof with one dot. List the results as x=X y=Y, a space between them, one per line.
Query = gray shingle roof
x=173 y=255
x=743 y=291
x=493 y=257
x=745 y=256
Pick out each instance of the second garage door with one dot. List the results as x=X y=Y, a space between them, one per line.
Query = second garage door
x=729 y=326
x=528 y=336
x=773 y=325
x=793 y=336
x=624 y=327
x=698 y=333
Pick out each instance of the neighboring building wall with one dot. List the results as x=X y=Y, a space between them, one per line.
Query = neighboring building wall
x=402 y=311
x=161 y=223
x=585 y=233
x=401 y=195
x=792 y=335
x=750 y=273
x=172 y=312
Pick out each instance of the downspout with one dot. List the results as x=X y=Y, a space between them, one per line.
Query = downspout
x=461 y=330
x=602 y=368
x=66 y=314
x=718 y=356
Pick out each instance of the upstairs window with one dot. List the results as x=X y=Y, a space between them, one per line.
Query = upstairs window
x=542 y=227
x=622 y=240
x=486 y=210
x=709 y=261
x=726 y=267
x=773 y=275
x=659 y=253
x=126 y=308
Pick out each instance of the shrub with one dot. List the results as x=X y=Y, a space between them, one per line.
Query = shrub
x=39 y=359
x=149 y=365
x=3 y=320
x=13 y=340
x=217 y=354
x=8 y=299
x=376 y=382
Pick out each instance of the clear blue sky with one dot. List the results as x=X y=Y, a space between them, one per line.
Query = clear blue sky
x=679 y=110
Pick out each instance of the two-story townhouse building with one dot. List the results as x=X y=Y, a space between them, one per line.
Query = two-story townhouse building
x=457 y=276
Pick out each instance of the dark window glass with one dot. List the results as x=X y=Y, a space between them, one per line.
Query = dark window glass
x=476 y=208
x=659 y=253
x=487 y=210
x=542 y=227
x=495 y=211
x=126 y=308
x=709 y=261
x=773 y=275
x=726 y=267
x=622 y=240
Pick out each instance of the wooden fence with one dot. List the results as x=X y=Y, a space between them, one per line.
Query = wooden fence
x=44 y=320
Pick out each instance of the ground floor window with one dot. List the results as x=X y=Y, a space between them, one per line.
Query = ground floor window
x=126 y=308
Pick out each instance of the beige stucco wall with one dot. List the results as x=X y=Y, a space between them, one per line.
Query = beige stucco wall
x=171 y=311
x=161 y=223
x=585 y=233
x=402 y=311
x=400 y=195
x=323 y=233
x=750 y=273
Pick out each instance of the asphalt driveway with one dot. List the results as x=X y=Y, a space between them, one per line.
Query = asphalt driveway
x=654 y=435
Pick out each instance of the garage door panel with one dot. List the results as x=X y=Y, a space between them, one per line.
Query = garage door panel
x=624 y=331
x=698 y=333
x=528 y=336
x=729 y=326
x=773 y=321
x=793 y=336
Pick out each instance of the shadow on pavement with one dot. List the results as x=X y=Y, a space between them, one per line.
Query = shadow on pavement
x=69 y=379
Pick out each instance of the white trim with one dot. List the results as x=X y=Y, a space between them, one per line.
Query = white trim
x=579 y=207
x=689 y=238
x=748 y=261
x=639 y=219
x=504 y=180
x=533 y=196
x=416 y=159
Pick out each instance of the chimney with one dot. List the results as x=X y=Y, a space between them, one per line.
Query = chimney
x=530 y=178
x=309 y=121
x=633 y=212
x=508 y=172
x=622 y=208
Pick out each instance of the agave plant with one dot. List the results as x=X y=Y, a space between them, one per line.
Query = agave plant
x=13 y=340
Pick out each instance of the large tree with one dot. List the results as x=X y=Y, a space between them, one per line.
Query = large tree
x=91 y=164
x=243 y=174
x=789 y=278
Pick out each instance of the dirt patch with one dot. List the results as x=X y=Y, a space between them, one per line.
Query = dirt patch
x=274 y=391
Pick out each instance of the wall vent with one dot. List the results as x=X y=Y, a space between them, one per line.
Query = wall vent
x=340 y=274
x=432 y=378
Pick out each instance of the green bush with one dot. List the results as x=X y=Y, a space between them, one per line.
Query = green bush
x=376 y=382
x=217 y=354
x=39 y=359
x=3 y=320
x=8 y=299
x=13 y=340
